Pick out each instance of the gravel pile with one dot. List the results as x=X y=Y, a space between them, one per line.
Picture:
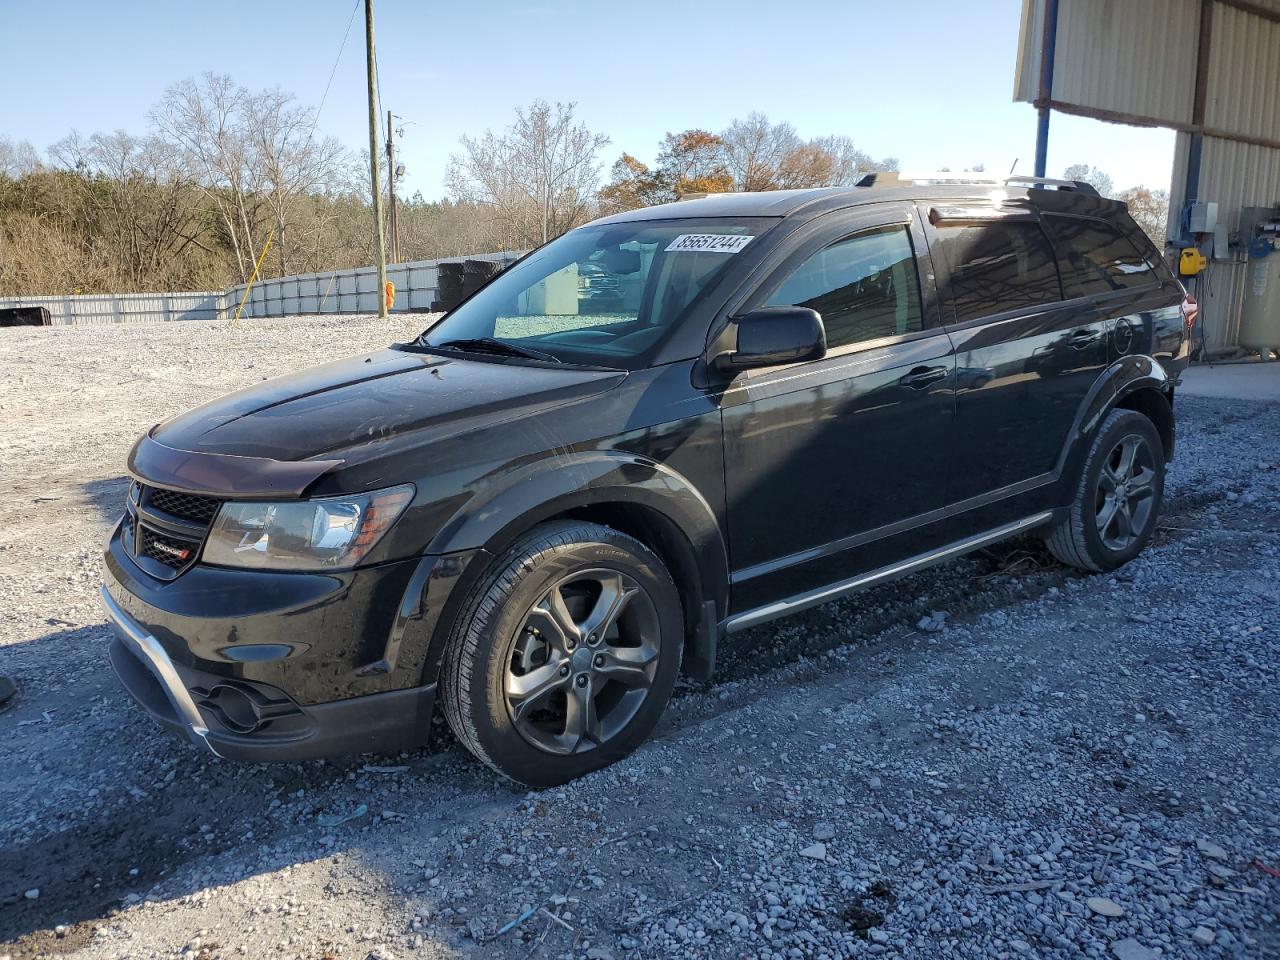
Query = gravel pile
x=995 y=758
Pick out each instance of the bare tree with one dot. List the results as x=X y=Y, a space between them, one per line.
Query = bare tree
x=762 y=155
x=204 y=117
x=18 y=158
x=138 y=198
x=289 y=159
x=1091 y=175
x=755 y=151
x=848 y=163
x=539 y=176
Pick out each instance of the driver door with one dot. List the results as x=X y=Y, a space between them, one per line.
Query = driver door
x=832 y=467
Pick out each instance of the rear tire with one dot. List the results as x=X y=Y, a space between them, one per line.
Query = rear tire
x=565 y=655
x=1117 y=500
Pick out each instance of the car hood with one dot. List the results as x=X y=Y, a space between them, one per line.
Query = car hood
x=331 y=409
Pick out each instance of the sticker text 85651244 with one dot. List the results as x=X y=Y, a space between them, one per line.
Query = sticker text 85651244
x=708 y=243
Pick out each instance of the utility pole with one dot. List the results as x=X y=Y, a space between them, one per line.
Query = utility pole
x=391 y=193
x=379 y=242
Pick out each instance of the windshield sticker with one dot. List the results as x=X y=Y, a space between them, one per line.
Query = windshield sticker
x=708 y=243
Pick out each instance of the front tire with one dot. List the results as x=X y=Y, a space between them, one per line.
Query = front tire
x=1117 y=500
x=566 y=654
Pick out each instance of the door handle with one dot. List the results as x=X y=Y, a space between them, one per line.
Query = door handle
x=921 y=377
x=1083 y=337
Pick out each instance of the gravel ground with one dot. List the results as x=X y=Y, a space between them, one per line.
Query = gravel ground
x=995 y=758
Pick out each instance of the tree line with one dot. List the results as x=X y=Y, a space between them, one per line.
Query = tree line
x=191 y=202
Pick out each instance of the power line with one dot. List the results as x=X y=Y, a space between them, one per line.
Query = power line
x=334 y=71
x=377 y=70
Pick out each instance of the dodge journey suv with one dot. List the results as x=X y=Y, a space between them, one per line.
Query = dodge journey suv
x=544 y=509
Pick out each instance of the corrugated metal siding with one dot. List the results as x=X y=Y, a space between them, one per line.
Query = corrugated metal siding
x=96 y=309
x=1223 y=297
x=1244 y=75
x=347 y=291
x=1177 y=186
x=1239 y=175
x=1134 y=57
x=1026 y=75
x=1232 y=173
x=342 y=291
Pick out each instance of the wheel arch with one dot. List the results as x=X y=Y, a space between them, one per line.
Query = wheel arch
x=661 y=535
x=1152 y=402
x=632 y=494
x=1137 y=382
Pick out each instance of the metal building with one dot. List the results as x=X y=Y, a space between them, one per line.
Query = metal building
x=1209 y=69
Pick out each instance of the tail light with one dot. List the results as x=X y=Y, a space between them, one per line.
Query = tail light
x=1190 y=311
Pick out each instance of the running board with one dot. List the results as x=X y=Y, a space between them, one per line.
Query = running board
x=873 y=578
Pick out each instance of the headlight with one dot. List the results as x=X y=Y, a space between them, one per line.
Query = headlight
x=304 y=534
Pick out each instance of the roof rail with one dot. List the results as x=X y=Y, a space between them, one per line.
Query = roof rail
x=1079 y=186
x=881 y=178
x=946 y=177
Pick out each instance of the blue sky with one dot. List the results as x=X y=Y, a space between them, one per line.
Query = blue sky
x=929 y=82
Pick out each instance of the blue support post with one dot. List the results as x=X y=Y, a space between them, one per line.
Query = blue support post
x=1048 y=51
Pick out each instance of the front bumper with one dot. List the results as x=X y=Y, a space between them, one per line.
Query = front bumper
x=260 y=665
x=282 y=730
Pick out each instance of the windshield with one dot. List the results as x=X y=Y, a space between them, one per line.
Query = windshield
x=605 y=295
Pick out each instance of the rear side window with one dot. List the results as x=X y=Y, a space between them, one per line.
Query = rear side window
x=997 y=266
x=1096 y=257
x=865 y=287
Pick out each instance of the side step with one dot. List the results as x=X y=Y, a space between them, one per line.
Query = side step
x=812 y=598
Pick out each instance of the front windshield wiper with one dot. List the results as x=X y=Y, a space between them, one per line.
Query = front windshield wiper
x=494 y=345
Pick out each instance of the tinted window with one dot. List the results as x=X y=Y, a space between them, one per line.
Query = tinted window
x=996 y=267
x=604 y=293
x=865 y=287
x=1096 y=257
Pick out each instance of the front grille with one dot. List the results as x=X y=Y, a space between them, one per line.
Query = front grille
x=186 y=506
x=165 y=529
x=171 y=551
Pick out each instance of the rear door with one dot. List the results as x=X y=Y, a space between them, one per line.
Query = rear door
x=832 y=466
x=1025 y=359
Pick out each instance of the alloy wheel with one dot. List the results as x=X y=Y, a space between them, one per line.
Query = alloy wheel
x=582 y=662
x=1125 y=493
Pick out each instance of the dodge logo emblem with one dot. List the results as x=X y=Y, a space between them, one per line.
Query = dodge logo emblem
x=180 y=553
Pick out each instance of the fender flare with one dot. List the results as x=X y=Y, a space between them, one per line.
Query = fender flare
x=521 y=499
x=548 y=487
x=1125 y=376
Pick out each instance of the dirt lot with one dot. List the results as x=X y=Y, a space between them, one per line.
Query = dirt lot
x=995 y=758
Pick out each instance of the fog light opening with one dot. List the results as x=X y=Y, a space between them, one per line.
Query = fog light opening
x=235 y=709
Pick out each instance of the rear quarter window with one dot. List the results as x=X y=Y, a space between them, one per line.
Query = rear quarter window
x=1095 y=257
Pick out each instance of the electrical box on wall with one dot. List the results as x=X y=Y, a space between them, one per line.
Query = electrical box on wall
x=1220 y=243
x=1202 y=216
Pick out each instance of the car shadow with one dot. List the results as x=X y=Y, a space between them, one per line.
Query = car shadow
x=107 y=496
x=97 y=805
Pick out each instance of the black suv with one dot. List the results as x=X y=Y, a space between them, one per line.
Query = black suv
x=541 y=514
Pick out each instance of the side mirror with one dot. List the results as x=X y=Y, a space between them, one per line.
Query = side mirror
x=773 y=335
